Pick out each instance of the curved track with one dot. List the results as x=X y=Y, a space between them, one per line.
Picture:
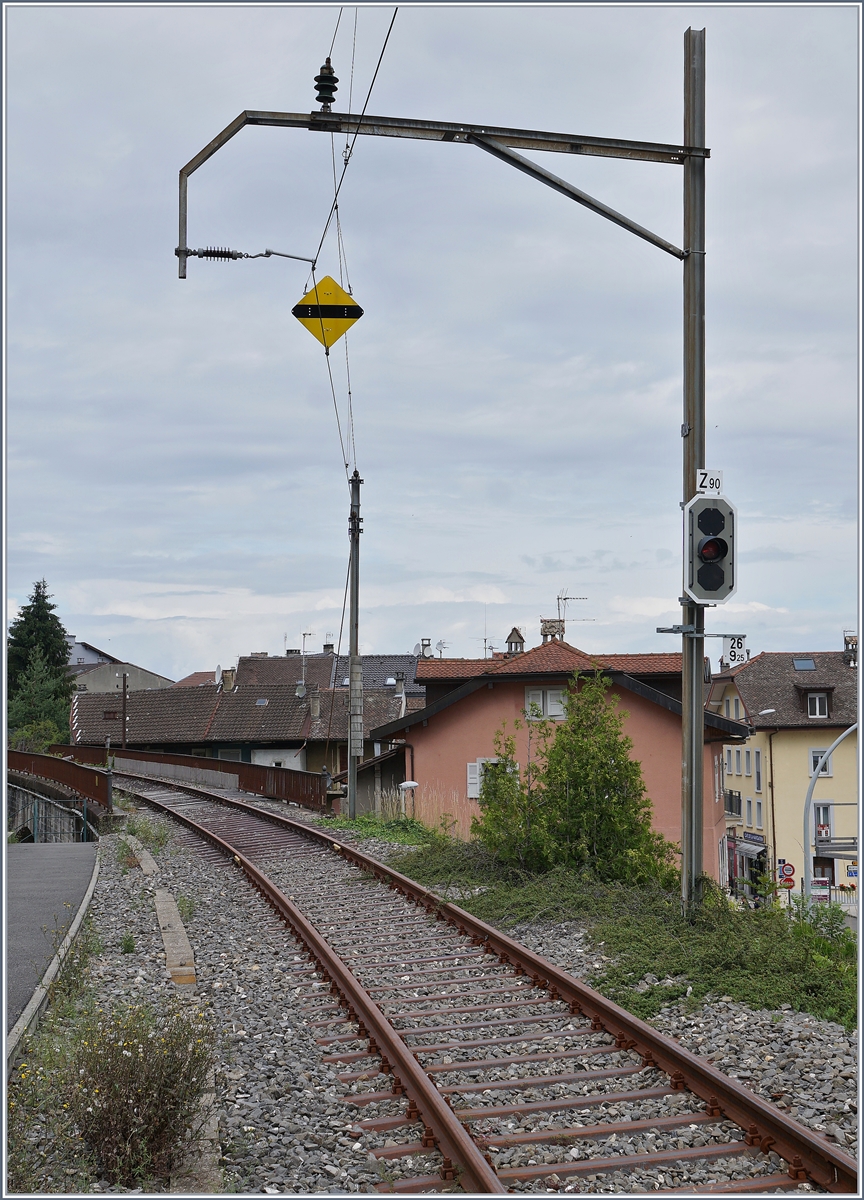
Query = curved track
x=472 y=1046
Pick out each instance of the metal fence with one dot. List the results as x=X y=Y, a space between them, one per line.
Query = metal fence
x=47 y=820
x=277 y=783
x=86 y=781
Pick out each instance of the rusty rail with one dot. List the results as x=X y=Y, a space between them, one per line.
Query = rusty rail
x=766 y=1128
x=88 y=781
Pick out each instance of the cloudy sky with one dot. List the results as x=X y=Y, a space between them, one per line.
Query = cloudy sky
x=174 y=468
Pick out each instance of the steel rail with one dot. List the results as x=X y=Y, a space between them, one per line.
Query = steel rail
x=453 y=1140
x=766 y=1128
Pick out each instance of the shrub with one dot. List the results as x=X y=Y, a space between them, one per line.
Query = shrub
x=148 y=833
x=136 y=1083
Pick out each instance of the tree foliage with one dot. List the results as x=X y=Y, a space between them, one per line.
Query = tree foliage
x=42 y=696
x=581 y=800
x=37 y=626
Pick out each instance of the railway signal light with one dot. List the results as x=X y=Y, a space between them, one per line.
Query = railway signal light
x=710 y=568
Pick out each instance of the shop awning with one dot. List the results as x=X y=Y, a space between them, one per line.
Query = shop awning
x=749 y=849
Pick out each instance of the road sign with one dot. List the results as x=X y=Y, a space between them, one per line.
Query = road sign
x=709 y=482
x=787 y=870
x=327 y=311
x=734 y=651
x=820 y=889
x=786 y=883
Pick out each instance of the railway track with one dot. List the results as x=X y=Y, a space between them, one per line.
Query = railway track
x=461 y=1048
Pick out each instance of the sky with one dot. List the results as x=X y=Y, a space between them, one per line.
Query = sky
x=174 y=468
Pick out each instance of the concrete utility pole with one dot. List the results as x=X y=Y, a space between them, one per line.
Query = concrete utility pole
x=355 y=670
x=693 y=437
x=504 y=143
x=125 y=689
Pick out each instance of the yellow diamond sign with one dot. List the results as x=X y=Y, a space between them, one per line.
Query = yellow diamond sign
x=327 y=311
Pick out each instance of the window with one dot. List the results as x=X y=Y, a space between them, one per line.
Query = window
x=757 y=763
x=737 y=762
x=749 y=811
x=111 y=716
x=737 y=705
x=728 y=760
x=549 y=701
x=726 y=708
x=475 y=776
x=747 y=762
x=815 y=755
x=803 y=664
x=261 y=703
x=822 y=813
x=758 y=814
x=817 y=704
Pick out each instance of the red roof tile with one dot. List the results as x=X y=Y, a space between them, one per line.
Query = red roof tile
x=429 y=669
x=196 y=679
x=641 y=664
x=550 y=658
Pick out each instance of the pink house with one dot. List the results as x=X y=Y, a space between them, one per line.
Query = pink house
x=468 y=700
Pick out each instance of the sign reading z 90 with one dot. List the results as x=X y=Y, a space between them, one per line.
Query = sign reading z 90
x=710 y=575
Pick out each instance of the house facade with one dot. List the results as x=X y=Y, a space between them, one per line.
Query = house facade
x=468 y=700
x=796 y=706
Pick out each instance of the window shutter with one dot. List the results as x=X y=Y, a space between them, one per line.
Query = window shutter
x=473 y=780
x=555 y=703
x=534 y=696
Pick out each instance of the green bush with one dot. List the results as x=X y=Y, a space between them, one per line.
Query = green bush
x=148 y=833
x=37 y=736
x=135 y=1087
x=580 y=803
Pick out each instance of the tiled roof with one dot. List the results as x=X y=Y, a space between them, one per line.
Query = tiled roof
x=378 y=668
x=552 y=657
x=201 y=715
x=285 y=670
x=380 y=705
x=769 y=681
x=641 y=664
x=196 y=679
x=429 y=669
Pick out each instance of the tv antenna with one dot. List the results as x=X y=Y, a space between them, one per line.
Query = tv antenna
x=563 y=599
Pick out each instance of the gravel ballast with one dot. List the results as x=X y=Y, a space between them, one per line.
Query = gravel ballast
x=284 y=1127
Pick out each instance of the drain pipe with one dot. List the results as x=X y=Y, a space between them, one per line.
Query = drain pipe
x=808 y=809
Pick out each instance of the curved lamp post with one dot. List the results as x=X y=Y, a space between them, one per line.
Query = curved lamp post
x=808 y=809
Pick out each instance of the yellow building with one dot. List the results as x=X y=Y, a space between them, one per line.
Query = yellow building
x=796 y=706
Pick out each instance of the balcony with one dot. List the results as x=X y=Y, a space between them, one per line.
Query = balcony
x=731 y=803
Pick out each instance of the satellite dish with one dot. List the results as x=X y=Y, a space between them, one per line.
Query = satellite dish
x=416 y=650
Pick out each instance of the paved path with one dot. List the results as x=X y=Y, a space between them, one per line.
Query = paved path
x=41 y=880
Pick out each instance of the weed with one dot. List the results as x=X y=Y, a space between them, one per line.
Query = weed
x=402 y=830
x=127 y=944
x=804 y=957
x=149 y=833
x=126 y=856
x=186 y=908
x=135 y=1084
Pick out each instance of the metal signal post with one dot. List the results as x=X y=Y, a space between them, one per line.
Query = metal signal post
x=504 y=144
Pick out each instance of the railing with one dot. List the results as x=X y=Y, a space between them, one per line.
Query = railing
x=86 y=781
x=47 y=820
x=277 y=783
x=731 y=803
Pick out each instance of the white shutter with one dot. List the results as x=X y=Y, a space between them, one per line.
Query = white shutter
x=555 y=703
x=533 y=696
x=473 y=780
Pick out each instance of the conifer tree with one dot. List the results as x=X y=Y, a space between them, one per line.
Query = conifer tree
x=37 y=626
x=41 y=696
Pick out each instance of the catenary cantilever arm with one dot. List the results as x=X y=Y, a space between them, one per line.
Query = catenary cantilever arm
x=567 y=189
x=448 y=131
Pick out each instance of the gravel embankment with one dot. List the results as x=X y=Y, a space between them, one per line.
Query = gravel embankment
x=283 y=1125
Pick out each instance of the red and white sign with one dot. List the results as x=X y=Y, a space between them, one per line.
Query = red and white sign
x=787 y=870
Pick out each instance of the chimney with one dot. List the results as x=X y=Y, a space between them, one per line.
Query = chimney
x=314 y=702
x=328 y=648
x=551 y=629
x=515 y=641
x=228 y=676
x=850 y=648
x=259 y=654
x=287 y=652
x=426 y=648
x=400 y=683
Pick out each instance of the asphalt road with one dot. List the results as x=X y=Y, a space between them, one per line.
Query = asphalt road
x=45 y=884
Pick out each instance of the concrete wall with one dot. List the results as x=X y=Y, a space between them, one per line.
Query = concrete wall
x=109 y=678
x=291 y=758
x=184 y=774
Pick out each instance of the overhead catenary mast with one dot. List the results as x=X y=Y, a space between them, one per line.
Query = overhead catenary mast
x=355 y=668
